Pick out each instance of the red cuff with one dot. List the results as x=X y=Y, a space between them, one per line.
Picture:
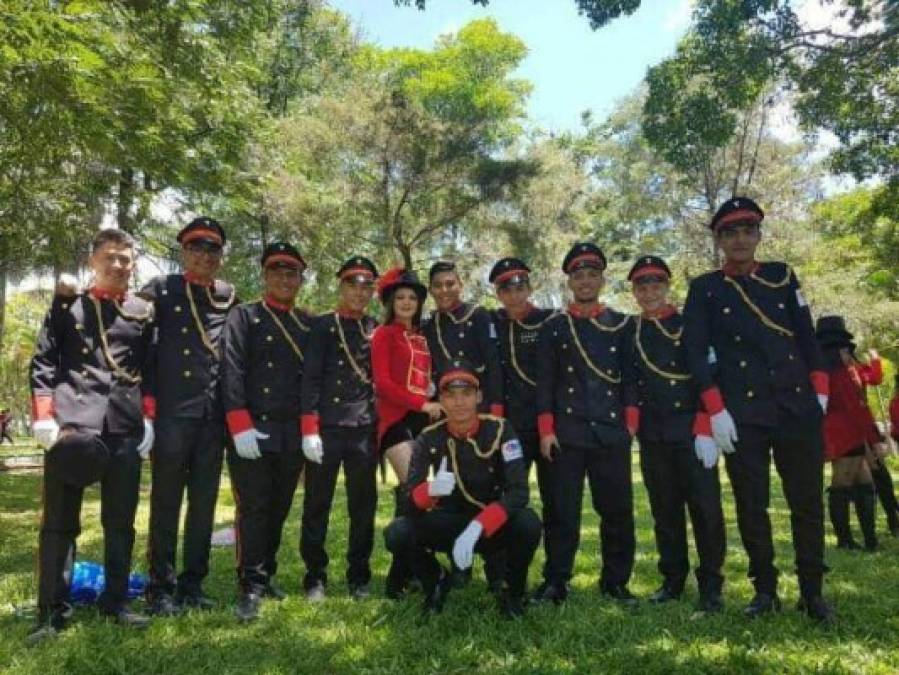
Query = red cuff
x=632 y=419
x=238 y=421
x=492 y=517
x=546 y=424
x=702 y=425
x=711 y=399
x=421 y=498
x=149 y=405
x=309 y=424
x=820 y=382
x=497 y=410
x=42 y=407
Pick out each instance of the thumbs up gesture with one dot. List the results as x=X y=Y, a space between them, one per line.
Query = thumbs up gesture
x=444 y=482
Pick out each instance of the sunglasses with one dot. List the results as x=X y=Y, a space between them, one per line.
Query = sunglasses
x=207 y=247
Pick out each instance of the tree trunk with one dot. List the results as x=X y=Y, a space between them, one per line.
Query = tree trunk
x=125 y=200
x=4 y=274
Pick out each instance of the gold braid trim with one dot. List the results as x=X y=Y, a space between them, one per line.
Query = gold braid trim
x=293 y=345
x=610 y=329
x=346 y=349
x=116 y=369
x=758 y=312
x=201 y=329
x=451 y=446
x=583 y=353
x=649 y=364
x=221 y=306
x=456 y=321
x=773 y=284
x=674 y=337
x=514 y=359
x=132 y=317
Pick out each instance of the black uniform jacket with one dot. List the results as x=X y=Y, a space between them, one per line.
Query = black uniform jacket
x=491 y=477
x=585 y=379
x=466 y=332
x=186 y=351
x=752 y=337
x=262 y=368
x=93 y=368
x=519 y=355
x=337 y=386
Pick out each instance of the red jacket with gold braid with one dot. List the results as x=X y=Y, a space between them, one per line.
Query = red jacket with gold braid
x=401 y=369
x=849 y=423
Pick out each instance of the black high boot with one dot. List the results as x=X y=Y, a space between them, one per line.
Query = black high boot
x=838 y=505
x=883 y=481
x=866 y=510
x=400 y=573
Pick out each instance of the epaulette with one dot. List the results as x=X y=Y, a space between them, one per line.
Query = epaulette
x=773 y=274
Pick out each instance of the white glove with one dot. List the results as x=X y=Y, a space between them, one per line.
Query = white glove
x=725 y=431
x=146 y=442
x=45 y=432
x=312 y=448
x=247 y=444
x=822 y=401
x=463 y=549
x=707 y=451
x=444 y=482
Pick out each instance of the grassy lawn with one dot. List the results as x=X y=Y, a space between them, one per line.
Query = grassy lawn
x=341 y=636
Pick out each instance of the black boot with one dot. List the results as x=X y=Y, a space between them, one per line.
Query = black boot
x=400 y=573
x=865 y=509
x=883 y=481
x=838 y=505
x=811 y=602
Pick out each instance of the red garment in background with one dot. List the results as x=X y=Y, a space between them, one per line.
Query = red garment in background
x=849 y=422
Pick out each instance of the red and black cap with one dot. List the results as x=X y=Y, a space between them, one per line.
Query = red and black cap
x=737 y=211
x=358 y=269
x=79 y=458
x=649 y=267
x=282 y=254
x=584 y=254
x=202 y=229
x=441 y=266
x=509 y=272
x=831 y=331
x=459 y=374
x=399 y=277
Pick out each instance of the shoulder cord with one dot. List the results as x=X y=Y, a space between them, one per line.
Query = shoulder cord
x=204 y=338
x=451 y=446
x=359 y=372
x=116 y=369
x=758 y=312
x=513 y=358
x=649 y=364
x=773 y=284
x=218 y=305
x=583 y=353
x=293 y=345
x=133 y=317
x=461 y=319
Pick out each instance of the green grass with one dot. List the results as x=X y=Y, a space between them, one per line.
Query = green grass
x=341 y=636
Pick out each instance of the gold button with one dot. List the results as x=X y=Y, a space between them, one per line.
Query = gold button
x=83 y=373
x=339 y=382
x=186 y=373
x=677 y=343
x=742 y=364
x=265 y=390
x=677 y=404
x=65 y=305
x=165 y=292
x=269 y=338
x=570 y=369
x=570 y=390
x=737 y=338
x=613 y=349
x=256 y=320
x=336 y=399
x=780 y=305
x=612 y=415
x=264 y=418
x=608 y=392
x=461 y=335
x=792 y=358
x=271 y=365
x=672 y=382
x=798 y=389
x=750 y=394
x=461 y=353
x=78 y=326
x=726 y=310
x=568 y=410
x=184 y=330
x=187 y=352
x=469 y=323
x=610 y=371
x=85 y=350
x=340 y=363
x=177 y=308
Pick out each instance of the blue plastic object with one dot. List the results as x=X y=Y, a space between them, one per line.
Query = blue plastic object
x=89 y=580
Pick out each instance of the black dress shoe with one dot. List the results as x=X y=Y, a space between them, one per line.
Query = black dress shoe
x=762 y=603
x=550 y=592
x=436 y=598
x=247 y=607
x=163 y=605
x=710 y=602
x=511 y=606
x=196 y=600
x=47 y=628
x=273 y=592
x=316 y=592
x=817 y=609
x=360 y=591
x=128 y=618
x=619 y=593
x=664 y=594
x=848 y=545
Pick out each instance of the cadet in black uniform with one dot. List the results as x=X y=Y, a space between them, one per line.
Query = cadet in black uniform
x=191 y=309
x=459 y=329
x=587 y=415
x=679 y=472
x=767 y=391
x=339 y=427
x=477 y=500
x=262 y=369
x=86 y=380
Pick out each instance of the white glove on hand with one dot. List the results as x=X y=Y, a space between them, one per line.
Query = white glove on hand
x=444 y=482
x=463 y=549
x=724 y=431
x=707 y=451
x=312 y=448
x=146 y=442
x=45 y=432
x=822 y=401
x=247 y=444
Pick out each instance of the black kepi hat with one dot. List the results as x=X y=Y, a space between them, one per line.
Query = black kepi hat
x=80 y=458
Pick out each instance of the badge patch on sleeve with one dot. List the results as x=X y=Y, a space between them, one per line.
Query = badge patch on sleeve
x=800 y=298
x=512 y=450
x=492 y=331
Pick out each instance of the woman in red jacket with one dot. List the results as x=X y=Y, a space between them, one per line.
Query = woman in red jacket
x=401 y=369
x=849 y=432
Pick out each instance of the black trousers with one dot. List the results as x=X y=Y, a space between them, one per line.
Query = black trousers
x=530 y=442
x=419 y=536
x=677 y=482
x=608 y=470
x=263 y=492
x=187 y=455
x=61 y=525
x=797 y=448
x=355 y=449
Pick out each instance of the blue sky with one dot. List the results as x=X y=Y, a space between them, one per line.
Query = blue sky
x=571 y=67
